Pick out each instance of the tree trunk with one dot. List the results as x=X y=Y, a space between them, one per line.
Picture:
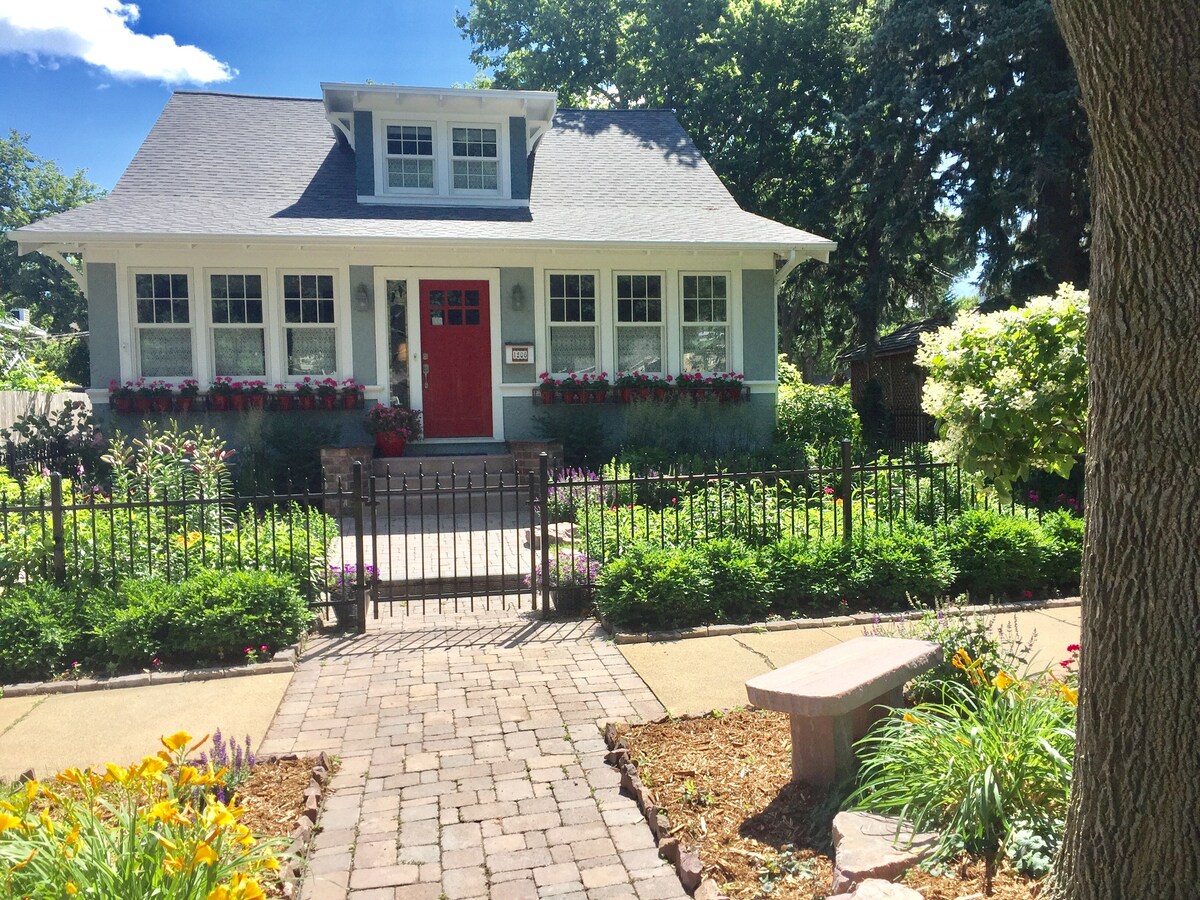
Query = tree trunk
x=1133 y=829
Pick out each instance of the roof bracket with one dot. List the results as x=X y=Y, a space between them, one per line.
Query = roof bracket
x=76 y=272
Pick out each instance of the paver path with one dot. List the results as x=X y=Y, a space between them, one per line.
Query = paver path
x=472 y=764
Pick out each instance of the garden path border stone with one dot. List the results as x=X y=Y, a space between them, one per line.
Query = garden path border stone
x=283 y=661
x=869 y=846
x=680 y=634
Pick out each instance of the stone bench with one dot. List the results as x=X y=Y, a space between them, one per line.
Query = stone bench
x=832 y=698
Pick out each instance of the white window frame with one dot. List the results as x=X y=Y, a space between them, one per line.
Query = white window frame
x=598 y=365
x=339 y=316
x=664 y=301
x=726 y=323
x=264 y=326
x=500 y=159
x=384 y=156
x=138 y=326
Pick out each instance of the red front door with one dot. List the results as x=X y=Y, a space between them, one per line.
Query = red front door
x=456 y=359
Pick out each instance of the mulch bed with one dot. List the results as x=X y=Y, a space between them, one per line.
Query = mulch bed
x=724 y=781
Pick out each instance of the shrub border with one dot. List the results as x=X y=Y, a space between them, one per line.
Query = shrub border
x=283 y=661
x=680 y=634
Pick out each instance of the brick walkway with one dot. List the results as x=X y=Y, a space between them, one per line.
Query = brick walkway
x=472 y=764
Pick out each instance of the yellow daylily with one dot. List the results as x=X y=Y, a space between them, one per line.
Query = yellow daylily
x=113 y=772
x=70 y=888
x=911 y=719
x=1069 y=693
x=7 y=821
x=175 y=741
x=166 y=811
x=204 y=855
x=1003 y=680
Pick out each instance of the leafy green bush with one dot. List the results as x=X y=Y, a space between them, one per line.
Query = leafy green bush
x=738 y=580
x=891 y=568
x=815 y=414
x=995 y=553
x=1062 y=550
x=137 y=629
x=219 y=614
x=805 y=576
x=37 y=624
x=657 y=587
x=988 y=758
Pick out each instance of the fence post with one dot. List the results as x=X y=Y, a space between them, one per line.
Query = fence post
x=360 y=556
x=847 y=494
x=56 y=528
x=544 y=516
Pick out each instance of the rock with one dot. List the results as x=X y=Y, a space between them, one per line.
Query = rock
x=689 y=868
x=866 y=847
x=878 y=889
x=325 y=761
x=616 y=757
x=661 y=825
x=320 y=774
x=668 y=849
x=708 y=890
x=610 y=734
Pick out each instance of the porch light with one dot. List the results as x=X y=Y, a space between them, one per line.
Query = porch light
x=518 y=298
x=362 y=297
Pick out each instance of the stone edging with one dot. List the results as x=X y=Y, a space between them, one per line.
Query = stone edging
x=633 y=637
x=686 y=860
x=283 y=661
x=306 y=822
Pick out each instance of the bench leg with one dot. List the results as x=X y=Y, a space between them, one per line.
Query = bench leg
x=821 y=749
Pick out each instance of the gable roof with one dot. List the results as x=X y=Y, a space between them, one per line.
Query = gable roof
x=216 y=166
x=904 y=339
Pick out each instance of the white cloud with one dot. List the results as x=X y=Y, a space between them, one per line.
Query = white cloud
x=100 y=32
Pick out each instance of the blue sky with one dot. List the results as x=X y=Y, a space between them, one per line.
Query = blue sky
x=79 y=81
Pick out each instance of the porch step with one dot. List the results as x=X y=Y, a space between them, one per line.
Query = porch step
x=442 y=465
x=467 y=448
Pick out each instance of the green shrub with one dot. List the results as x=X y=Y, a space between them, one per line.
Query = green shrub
x=805 y=576
x=989 y=758
x=219 y=614
x=738 y=581
x=813 y=414
x=138 y=629
x=652 y=587
x=889 y=569
x=39 y=633
x=1062 y=550
x=995 y=553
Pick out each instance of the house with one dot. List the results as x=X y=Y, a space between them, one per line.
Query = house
x=901 y=380
x=441 y=246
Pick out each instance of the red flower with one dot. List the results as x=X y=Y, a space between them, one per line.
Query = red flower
x=1072 y=648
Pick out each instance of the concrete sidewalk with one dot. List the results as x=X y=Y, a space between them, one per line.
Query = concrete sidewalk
x=49 y=732
x=698 y=675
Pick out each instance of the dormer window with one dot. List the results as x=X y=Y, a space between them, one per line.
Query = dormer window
x=474 y=159
x=410 y=156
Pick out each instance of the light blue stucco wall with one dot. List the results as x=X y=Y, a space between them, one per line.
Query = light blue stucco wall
x=364 y=153
x=759 y=351
x=362 y=325
x=516 y=326
x=518 y=158
x=104 y=346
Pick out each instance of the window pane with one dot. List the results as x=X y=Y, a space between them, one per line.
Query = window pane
x=558 y=285
x=291 y=286
x=324 y=311
x=254 y=286
x=179 y=286
x=239 y=351
x=165 y=352
x=310 y=351
x=179 y=311
x=254 y=309
x=220 y=289
x=704 y=348
x=144 y=285
x=477 y=175
x=145 y=309
x=410 y=173
x=291 y=310
x=639 y=349
x=308 y=287
x=573 y=349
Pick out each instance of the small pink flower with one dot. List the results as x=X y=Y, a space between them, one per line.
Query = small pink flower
x=1028 y=595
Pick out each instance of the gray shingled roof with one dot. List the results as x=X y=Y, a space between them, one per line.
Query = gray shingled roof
x=225 y=165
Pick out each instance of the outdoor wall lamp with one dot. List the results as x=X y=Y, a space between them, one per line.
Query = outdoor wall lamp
x=518 y=298
x=362 y=298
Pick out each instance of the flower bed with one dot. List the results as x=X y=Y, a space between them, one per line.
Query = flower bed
x=227 y=395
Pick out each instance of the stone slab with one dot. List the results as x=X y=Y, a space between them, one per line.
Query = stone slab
x=868 y=846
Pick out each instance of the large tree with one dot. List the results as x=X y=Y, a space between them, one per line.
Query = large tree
x=1133 y=829
x=30 y=189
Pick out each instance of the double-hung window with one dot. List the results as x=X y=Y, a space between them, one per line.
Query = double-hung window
x=164 y=331
x=705 y=323
x=573 y=323
x=639 y=323
x=238 y=339
x=309 y=329
x=474 y=158
x=409 y=157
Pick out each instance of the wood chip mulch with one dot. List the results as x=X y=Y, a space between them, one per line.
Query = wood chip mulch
x=724 y=781
x=273 y=796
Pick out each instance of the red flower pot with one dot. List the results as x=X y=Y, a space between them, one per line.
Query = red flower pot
x=283 y=401
x=237 y=402
x=141 y=404
x=350 y=400
x=257 y=401
x=160 y=404
x=547 y=397
x=307 y=401
x=390 y=443
x=596 y=396
x=626 y=395
x=662 y=393
x=218 y=402
x=732 y=394
x=572 y=396
x=329 y=401
x=123 y=404
x=184 y=404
